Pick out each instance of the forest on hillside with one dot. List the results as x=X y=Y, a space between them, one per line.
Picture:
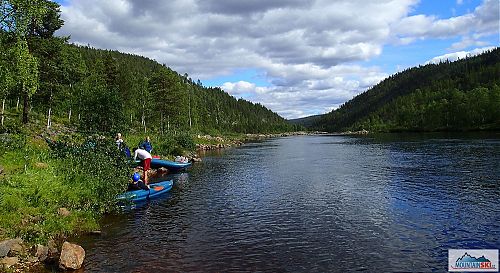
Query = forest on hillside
x=448 y=96
x=44 y=76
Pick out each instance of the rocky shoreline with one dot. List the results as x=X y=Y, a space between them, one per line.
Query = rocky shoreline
x=17 y=256
x=222 y=143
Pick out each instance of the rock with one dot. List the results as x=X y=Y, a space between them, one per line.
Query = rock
x=41 y=165
x=63 y=212
x=7 y=245
x=41 y=252
x=95 y=232
x=71 y=256
x=196 y=159
x=8 y=262
x=162 y=170
x=4 y=248
x=53 y=251
x=16 y=248
x=32 y=259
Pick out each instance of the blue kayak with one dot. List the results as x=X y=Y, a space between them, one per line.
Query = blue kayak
x=141 y=195
x=171 y=165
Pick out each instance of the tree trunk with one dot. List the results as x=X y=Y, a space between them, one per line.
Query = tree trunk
x=17 y=104
x=189 y=112
x=48 y=119
x=3 y=110
x=69 y=116
x=25 y=107
x=161 y=123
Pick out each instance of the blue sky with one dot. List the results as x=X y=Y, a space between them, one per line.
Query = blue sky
x=296 y=57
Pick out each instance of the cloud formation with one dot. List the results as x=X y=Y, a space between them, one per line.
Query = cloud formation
x=309 y=49
x=458 y=55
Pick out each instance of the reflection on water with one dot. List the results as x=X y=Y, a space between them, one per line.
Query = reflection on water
x=315 y=204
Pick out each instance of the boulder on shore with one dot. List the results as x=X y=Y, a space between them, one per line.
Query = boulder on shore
x=8 y=262
x=7 y=246
x=72 y=256
x=41 y=252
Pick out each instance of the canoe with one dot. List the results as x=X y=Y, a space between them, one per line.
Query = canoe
x=171 y=165
x=156 y=189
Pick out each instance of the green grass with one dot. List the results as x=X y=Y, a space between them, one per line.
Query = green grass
x=38 y=181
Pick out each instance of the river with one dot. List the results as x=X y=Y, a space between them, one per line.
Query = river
x=387 y=203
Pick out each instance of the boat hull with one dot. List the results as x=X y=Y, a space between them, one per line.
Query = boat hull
x=142 y=195
x=171 y=165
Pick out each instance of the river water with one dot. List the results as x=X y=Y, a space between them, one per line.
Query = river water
x=387 y=203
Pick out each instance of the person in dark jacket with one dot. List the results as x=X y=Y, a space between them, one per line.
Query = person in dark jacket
x=137 y=183
x=146 y=145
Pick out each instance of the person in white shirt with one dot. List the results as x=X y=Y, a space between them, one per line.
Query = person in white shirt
x=145 y=157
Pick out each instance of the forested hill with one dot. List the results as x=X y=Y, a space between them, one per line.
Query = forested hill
x=168 y=100
x=109 y=91
x=460 y=95
x=306 y=121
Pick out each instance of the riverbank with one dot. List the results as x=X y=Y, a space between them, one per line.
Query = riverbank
x=207 y=142
x=314 y=194
x=56 y=183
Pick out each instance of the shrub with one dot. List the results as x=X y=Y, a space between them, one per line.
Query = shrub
x=96 y=170
x=185 y=141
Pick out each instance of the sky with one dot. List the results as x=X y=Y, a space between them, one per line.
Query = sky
x=296 y=57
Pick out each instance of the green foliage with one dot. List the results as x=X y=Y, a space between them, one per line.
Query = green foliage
x=166 y=145
x=461 y=95
x=11 y=142
x=154 y=96
x=27 y=69
x=100 y=104
x=82 y=177
x=185 y=141
x=6 y=75
x=26 y=20
x=95 y=169
x=438 y=110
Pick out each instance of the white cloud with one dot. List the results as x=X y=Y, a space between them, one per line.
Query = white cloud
x=458 y=55
x=306 y=48
x=466 y=42
x=484 y=20
x=312 y=92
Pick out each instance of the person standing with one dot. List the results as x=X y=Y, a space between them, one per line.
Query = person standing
x=121 y=145
x=119 y=140
x=145 y=157
x=146 y=145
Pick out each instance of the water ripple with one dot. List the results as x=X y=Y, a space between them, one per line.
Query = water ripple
x=315 y=204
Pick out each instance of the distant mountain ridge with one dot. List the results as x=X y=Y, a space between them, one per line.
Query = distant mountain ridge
x=460 y=95
x=305 y=121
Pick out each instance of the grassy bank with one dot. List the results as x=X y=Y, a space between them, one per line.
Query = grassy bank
x=38 y=181
x=74 y=171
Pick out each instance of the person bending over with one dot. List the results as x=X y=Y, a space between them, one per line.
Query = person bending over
x=145 y=157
